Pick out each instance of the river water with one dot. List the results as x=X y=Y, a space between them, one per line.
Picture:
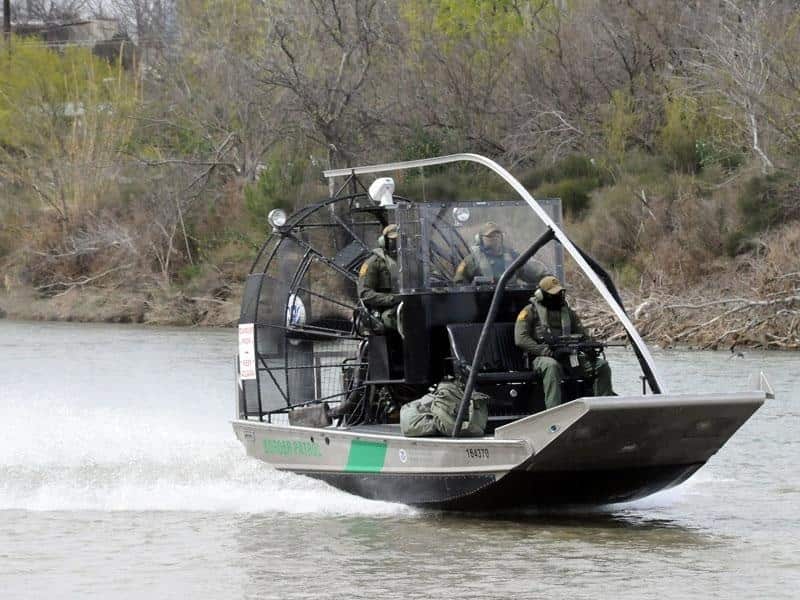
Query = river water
x=120 y=477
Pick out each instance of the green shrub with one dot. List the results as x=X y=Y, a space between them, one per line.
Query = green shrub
x=421 y=143
x=189 y=272
x=709 y=153
x=276 y=187
x=738 y=242
x=678 y=136
x=574 y=194
x=768 y=201
x=572 y=179
x=574 y=166
x=620 y=121
x=681 y=154
x=648 y=168
x=628 y=276
x=610 y=230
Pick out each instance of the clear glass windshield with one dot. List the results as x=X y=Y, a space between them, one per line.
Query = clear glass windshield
x=454 y=245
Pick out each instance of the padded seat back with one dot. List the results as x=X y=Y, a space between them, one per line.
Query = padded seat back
x=500 y=354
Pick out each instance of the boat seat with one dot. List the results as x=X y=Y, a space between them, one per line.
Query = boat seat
x=503 y=361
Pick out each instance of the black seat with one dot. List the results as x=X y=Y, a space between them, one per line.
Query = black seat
x=504 y=375
x=502 y=360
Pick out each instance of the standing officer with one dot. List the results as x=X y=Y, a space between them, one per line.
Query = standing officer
x=489 y=258
x=377 y=279
x=538 y=326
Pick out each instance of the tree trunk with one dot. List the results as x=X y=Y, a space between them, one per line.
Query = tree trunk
x=766 y=164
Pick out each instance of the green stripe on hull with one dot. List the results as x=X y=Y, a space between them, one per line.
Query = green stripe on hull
x=366 y=457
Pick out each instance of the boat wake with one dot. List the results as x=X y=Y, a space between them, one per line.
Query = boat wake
x=117 y=460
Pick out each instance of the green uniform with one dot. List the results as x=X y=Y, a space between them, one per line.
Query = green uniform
x=377 y=282
x=480 y=263
x=536 y=326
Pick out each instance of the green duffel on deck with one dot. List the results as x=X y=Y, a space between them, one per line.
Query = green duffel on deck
x=435 y=413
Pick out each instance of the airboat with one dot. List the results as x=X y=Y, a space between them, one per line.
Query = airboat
x=306 y=349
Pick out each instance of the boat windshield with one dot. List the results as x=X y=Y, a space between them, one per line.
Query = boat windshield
x=445 y=246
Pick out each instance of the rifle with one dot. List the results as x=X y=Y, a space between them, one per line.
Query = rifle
x=572 y=345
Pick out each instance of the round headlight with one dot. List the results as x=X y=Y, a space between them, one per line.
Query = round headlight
x=461 y=214
x=277 y=217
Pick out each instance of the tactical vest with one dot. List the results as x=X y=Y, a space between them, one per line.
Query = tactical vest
x=543 y=331
x=486 y=265
x=391 y=266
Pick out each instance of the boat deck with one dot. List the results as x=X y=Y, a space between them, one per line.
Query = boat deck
x=392 y=429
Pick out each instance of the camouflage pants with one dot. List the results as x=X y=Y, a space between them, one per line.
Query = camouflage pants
x=550 y=371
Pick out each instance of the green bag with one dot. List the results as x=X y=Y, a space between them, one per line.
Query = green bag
x=416 y=419
x=446 y=400
x=435 y=413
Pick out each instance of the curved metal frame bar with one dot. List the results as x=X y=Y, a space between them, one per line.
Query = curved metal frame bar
x=650 y=371
x=282 y=233
x=487 y=325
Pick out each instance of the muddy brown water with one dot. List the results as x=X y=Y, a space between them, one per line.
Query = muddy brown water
x=121 y=478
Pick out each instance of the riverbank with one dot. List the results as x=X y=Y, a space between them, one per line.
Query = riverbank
x=704 y=323
x=709 y=320
x=152 y=307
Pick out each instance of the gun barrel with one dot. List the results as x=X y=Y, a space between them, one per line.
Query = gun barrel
x=573 y=345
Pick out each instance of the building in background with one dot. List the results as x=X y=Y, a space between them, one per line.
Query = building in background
x=102 y=35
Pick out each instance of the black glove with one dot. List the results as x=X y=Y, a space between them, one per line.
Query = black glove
x=591 y=354
x=543 y=350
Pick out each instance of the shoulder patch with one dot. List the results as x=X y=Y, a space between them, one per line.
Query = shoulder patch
x=362 y=272
x=523 y=315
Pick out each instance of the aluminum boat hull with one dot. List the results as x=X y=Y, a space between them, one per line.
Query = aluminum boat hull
x=588 y=451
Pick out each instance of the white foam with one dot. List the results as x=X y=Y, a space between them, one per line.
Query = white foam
x=107 y=459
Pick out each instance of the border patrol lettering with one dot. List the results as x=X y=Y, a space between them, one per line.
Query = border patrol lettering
x=291 y=448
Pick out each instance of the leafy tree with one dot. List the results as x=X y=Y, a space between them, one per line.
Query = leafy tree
x=620 y=123
x=679 y=135
x=63 y=119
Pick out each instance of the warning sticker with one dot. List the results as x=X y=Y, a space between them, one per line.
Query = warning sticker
x=247 y=351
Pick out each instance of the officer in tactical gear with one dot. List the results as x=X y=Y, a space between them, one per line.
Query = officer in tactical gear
x=539 y=326
x=489 y=258
x=377 y=279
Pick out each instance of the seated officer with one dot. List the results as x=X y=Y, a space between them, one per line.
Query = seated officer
x=377 y=279
x=539 y=325
x=489 y=258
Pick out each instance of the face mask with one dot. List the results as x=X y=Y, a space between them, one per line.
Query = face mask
x=391 y=247
x=553 y=300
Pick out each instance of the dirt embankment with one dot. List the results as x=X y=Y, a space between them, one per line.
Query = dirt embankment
x=153 y=307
